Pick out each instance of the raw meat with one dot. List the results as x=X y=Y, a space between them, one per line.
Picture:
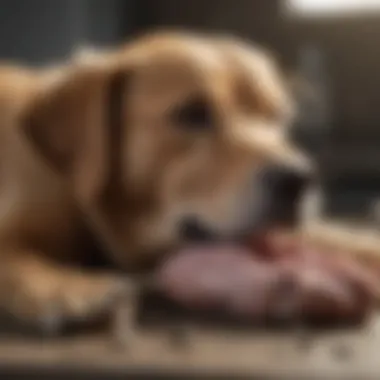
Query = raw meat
x=275 y=277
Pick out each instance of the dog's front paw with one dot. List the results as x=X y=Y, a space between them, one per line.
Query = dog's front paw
x=52 y=305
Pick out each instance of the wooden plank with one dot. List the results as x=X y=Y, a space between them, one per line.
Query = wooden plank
x=339 y=354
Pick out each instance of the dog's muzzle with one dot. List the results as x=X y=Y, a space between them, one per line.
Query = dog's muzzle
x=274 y=200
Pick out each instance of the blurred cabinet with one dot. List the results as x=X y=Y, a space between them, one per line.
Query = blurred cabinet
x=42 y=31
x=350 y=158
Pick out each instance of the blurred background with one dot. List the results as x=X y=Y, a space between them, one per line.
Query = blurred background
x=332 y=43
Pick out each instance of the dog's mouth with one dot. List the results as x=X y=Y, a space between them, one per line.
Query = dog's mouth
x=263 y=241
x=194 y=233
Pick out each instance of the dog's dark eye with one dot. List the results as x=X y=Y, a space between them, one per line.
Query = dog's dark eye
x=194 y=115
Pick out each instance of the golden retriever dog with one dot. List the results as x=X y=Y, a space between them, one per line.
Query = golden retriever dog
x=172 y=137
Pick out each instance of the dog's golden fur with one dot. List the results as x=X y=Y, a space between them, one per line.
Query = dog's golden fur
x=91 y=146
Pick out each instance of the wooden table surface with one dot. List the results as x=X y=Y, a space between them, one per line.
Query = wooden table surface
x=247 y=354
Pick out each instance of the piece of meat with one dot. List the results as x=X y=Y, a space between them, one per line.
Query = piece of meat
x=284 y=280
x=217 y=277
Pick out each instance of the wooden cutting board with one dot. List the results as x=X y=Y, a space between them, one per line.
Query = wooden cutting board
x=207 y=352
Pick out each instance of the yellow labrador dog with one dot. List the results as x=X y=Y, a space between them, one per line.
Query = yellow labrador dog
x=169 y=138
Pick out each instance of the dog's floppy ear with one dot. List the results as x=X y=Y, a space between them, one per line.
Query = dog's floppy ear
x=75 y=123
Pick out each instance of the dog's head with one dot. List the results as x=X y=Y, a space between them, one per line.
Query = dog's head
x=171 y=136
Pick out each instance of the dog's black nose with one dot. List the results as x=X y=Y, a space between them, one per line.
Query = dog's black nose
x=288 y=182
x=284 y=188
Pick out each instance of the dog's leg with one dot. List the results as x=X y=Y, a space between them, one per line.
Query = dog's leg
x=36 y=291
